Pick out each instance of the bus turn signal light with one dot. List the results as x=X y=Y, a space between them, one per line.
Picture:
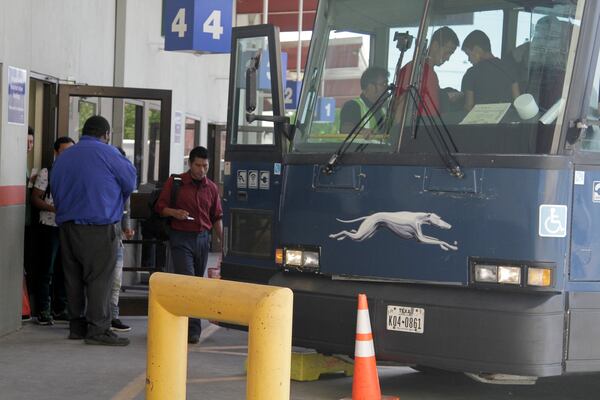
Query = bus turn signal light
x=539 y=277
x=279 y=256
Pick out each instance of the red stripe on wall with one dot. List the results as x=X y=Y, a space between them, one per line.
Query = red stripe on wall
x=12 y=195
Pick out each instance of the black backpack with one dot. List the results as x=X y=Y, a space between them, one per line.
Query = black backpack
x=156 y=226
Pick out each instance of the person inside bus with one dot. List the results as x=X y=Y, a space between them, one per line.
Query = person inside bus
x=489 y=80
x=373 y=82
x=546 y=60
x=521 y=55
x=443 y=44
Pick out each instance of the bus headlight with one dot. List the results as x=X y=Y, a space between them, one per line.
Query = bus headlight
x=510 y=275
x=293 y=258
x=486 y=273
x=310 y=259
x=301 y=258
x=504 y=274
x=507 y=274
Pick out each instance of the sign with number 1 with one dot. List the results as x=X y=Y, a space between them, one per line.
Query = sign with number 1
x=199 y=25
x=326 y=107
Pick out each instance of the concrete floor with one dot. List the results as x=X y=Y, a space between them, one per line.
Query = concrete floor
x=38 y=362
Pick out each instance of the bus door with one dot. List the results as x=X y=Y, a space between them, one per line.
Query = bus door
x=141 y=125
x=583 y=140
x=215 y=143
x=253 y=171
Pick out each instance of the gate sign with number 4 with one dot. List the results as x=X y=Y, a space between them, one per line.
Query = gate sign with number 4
x=198 y=25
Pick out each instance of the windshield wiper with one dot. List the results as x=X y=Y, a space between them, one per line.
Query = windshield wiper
x=443 y=144
x=349 y=139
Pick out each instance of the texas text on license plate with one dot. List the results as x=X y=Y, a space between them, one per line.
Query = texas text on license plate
x=405 y=319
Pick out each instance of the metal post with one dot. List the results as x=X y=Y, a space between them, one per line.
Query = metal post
x=266 y=310
x=299 y=57
x=265 y=11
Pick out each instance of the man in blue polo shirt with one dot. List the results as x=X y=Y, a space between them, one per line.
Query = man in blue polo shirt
x=90 y=183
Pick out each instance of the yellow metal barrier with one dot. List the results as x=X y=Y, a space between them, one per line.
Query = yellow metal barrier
x=266 y=310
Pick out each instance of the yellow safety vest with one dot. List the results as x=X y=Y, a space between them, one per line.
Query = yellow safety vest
x=372 y=123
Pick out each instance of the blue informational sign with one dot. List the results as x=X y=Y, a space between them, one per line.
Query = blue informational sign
x=291 y=94
x=326 y=107
x=199 y=25
x=178 y=125
x=17 y=81
x=264 y=70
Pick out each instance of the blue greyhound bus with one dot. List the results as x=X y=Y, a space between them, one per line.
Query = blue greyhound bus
x=474 y=229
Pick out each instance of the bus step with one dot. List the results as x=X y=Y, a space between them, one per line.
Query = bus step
x=502 y=379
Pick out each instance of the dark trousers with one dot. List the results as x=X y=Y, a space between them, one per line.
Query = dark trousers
x=50 y=286
x=30 y=257
x=89 y=256
x=189 y=251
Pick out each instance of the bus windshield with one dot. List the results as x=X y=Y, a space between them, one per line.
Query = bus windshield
x=487 y=77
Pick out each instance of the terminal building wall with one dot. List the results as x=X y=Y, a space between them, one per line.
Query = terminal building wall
x=95 y=42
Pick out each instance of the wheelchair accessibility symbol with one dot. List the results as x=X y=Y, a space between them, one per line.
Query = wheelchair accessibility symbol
x=553 y=220
x=596 y=192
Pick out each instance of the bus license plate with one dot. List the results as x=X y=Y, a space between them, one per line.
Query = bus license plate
x=405 y=319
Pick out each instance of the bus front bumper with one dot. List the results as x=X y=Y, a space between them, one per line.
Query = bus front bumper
x=464 y=329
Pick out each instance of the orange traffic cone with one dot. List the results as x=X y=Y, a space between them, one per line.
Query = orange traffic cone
x=26 y=307
x=365 y=385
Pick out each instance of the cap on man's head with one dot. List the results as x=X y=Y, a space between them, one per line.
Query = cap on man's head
x=96 y=126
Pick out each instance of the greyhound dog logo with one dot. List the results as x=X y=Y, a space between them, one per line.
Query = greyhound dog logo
x=406 y=224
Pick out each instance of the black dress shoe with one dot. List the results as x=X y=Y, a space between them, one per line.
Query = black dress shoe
x=193 y=339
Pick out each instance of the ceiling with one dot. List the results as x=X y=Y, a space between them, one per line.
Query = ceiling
x=282 y=13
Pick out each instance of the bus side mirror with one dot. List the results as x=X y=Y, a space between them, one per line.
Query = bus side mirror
x=282 y=122
x=251 y=69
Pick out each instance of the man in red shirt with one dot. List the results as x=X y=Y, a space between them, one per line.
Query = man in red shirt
x=196 y=211
x=443 y=44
